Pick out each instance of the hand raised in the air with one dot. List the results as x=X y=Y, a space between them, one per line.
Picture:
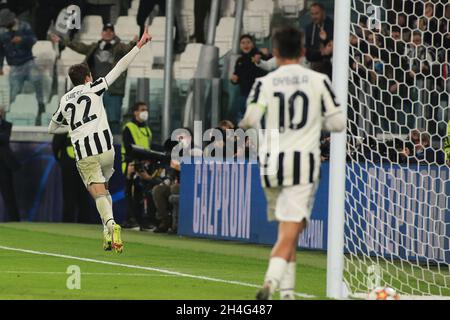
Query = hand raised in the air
x=146 y=37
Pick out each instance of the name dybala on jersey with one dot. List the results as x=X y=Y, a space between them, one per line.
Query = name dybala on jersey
x=83 y=110
x=299 y=103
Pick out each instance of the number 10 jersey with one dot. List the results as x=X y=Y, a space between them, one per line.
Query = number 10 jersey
x=295 y=101
x=83 y=111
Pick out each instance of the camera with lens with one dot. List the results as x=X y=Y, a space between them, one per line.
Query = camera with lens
x=148 y=160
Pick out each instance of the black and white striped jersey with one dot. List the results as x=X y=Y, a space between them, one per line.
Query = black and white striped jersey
x=83 y=110
x=294 y=102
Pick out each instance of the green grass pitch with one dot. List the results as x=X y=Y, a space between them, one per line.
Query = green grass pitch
x=152 y=266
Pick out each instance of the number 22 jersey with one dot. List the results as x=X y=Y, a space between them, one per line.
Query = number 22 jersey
x=83 y=111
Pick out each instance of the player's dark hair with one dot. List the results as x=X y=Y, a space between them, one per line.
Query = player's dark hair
x=136 y=106
x=288 y=42
x=78 y=73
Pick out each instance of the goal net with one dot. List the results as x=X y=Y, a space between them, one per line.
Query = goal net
x=397 y=207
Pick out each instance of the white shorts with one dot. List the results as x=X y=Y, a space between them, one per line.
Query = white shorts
x=97 y=169
x=291 y=204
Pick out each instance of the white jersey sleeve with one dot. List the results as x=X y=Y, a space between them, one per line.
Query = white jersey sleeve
x=256 y=106
x=121 y=66
x=330 y=105
x=332 y=111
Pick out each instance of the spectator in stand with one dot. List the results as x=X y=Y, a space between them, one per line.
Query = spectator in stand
x=23 y=9
x=419 y=150
x=201 y=10
x=8 y=164
x=145 y=9
x=101 y=57
x=104 y=8
x=319 y=35
x=246 y=72
x=16 y=43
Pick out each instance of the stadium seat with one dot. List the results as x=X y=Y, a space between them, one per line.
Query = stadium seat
x=4 y=91
x=257 y=18
x=291 y=8
x=188 y=17
x=142 y=65
x=53 y=105
x=158 y=30
x=224 y=35
x=67 y=59
x=185 y=68
x=132 y=12
x=91 y=29
x=23 y=110
x=45 y=56
x=126 y=28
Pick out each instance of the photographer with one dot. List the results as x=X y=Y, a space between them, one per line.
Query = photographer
x=167 y=193
x=136 y=132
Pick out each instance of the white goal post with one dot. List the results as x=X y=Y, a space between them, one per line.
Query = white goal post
x=389 y=190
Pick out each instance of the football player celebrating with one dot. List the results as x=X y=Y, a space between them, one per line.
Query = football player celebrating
x=81 y=113
x=298 y=103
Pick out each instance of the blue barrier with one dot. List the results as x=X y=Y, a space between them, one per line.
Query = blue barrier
x=227 y=202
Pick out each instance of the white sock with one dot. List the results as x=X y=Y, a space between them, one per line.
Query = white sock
x=276 y=270
x=105 y=209
x=110 y=199
x=287 y=283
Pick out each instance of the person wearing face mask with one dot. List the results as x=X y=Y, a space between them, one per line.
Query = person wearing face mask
x=8 y=164
x=136 y=132
x=101 y=57
x=16 y=42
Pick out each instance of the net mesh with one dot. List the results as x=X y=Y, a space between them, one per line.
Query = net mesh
x=397 y=226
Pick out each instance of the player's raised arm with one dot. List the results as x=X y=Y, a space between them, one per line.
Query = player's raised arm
x=256 y=108
x=123 y=64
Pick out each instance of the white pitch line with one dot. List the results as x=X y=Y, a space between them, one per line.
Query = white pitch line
x=168 y=272
x=90 y=274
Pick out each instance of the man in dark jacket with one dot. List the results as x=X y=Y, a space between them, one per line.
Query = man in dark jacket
x=8 y=164
x=16 y=41
x=101 y=57
x=318 y=35
x=246 y=72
